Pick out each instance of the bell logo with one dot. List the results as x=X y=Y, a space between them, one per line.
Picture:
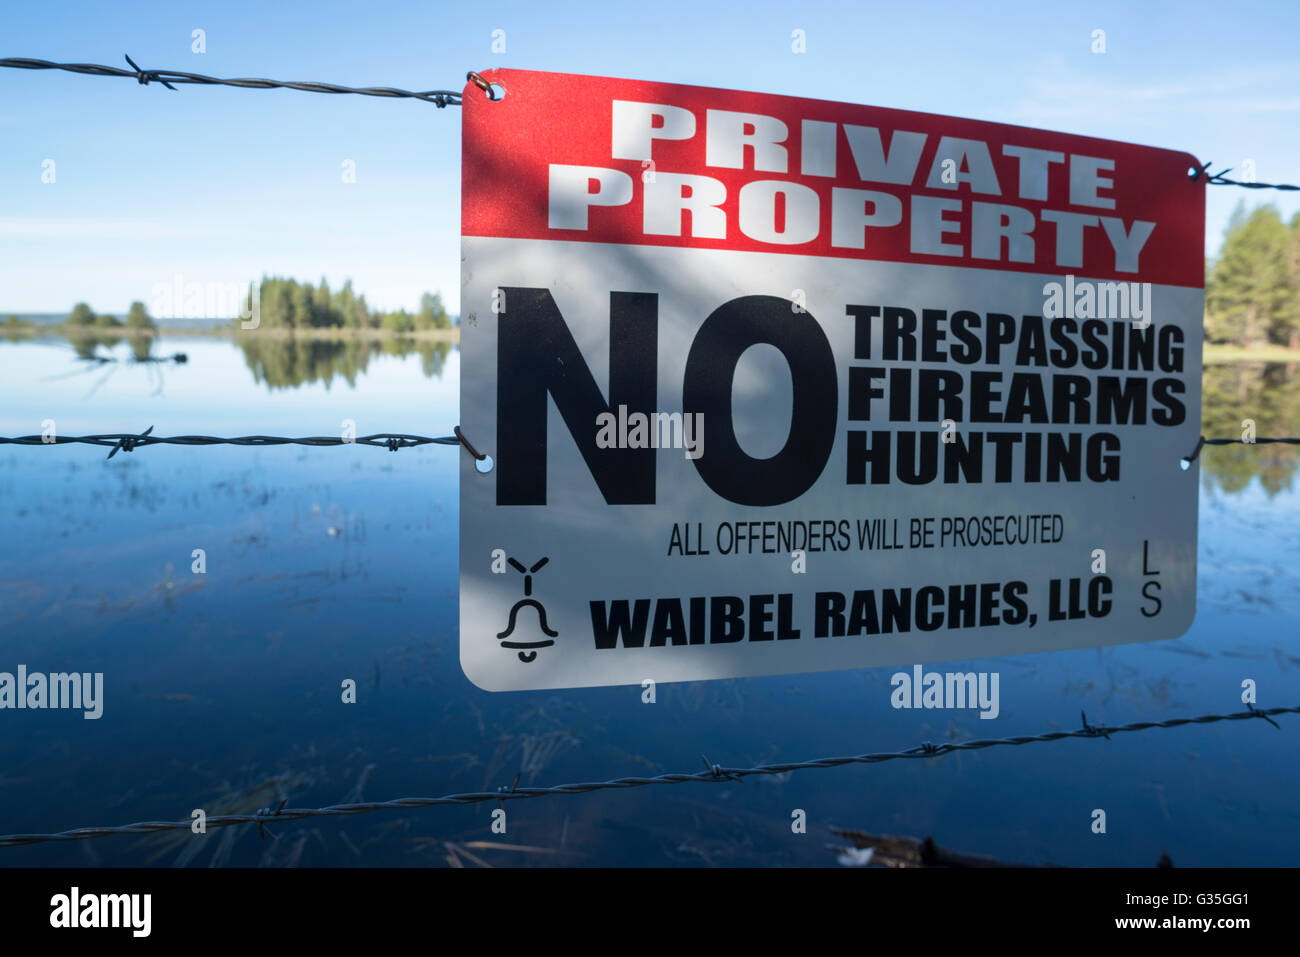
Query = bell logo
x=527 y=649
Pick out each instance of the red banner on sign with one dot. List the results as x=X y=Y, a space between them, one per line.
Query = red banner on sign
x=588 y=159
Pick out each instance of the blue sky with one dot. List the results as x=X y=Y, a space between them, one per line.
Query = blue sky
x=220 y=185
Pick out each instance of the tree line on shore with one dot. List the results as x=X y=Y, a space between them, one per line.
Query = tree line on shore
x=281 y=304
x=137 y=320
x=289 y=304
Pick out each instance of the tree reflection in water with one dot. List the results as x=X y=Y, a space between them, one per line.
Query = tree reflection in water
x=286 y=363
x=1268 y=393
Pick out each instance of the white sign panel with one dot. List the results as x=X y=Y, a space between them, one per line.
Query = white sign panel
x=775 y=385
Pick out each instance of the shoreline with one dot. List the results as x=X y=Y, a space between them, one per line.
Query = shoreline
x=1216 y=353
x=1212 y=354
x=228 y=332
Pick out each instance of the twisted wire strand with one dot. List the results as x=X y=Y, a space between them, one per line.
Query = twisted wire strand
x=439 y=98
x=1221 y=179
x=130 y=441
x=712 y=774
x=1261 y=441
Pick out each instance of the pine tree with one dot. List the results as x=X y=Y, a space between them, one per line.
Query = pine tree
x=301 y=304
x=1252 y=297
x=281 y=303
x=324 y=306
x=81 y=315
x=432 y=314
x=137 y=317
x=348 y=307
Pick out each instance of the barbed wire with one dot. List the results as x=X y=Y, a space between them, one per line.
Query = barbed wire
x=1203 y=441
x=1220 y=179
x=439 y=98
x=130 y=441
x=1257 y=441
x=712 y=774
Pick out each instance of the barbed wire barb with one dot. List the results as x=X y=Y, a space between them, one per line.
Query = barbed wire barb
x=713 y=774
x=144 y=76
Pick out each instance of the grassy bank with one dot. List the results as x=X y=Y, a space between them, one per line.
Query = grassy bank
x=1215 y=353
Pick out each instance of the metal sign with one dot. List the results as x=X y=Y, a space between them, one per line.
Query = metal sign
x=776 y=385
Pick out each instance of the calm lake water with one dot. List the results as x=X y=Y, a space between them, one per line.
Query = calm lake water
x=222 y=689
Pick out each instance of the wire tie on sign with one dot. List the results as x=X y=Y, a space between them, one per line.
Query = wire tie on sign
x=1260 y=714
x=1200 y=171
x=1200 y=444
x=265 y=813
x=482 y=84
x=127 y=443
x=144 y=76
x=1098 y=731
x=465 y=442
